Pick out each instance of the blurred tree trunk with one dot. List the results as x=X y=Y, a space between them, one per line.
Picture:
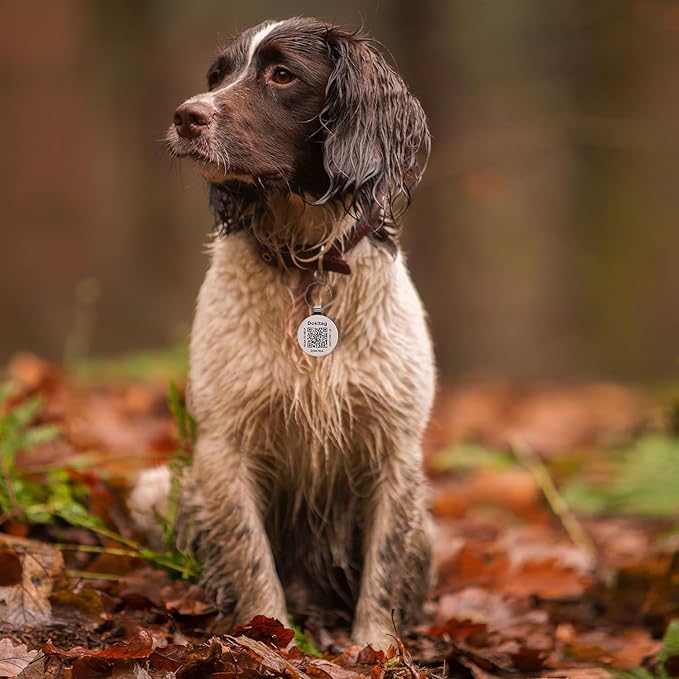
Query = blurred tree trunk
x=491 y=213
x=46 y=206
x=626 y=131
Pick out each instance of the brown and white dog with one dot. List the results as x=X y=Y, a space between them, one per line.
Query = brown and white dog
x=306 y=467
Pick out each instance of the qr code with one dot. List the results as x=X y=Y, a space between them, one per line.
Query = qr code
x=317 y=338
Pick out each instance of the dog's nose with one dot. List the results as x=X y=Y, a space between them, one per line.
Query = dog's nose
x=191 y=117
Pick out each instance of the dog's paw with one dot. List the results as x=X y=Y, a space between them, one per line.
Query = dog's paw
x=148 y=499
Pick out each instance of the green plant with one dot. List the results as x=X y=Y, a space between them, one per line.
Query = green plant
x=643 y=479
x=21 y=497
x=156 y=365
x=55 y=495
x=186 y=436
x=471 y=456
x=302 y=641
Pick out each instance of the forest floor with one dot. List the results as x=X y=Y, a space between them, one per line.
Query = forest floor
x=557 y=549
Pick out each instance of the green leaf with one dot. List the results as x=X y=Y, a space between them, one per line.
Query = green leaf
x=670 y=642
x=40 y=434
x=22 y=414
x=471 y=455
x=644 y=479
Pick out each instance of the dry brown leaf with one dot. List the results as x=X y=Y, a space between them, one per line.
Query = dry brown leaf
x=317 y=667
x=14 y=658
x=459 y=630
x=139 y=647
x=359 y=655
x=27 y=603
x=171 y=657
x=620 y=650
x=266 y=629
x=11 y=569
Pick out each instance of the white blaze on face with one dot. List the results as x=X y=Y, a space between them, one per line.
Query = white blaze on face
x=255 y=41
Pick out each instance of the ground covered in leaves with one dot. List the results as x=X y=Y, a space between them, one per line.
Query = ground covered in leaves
x=557 y=550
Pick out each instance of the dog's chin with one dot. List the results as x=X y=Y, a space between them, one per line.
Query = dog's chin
x=211 y=172
x=218 y=174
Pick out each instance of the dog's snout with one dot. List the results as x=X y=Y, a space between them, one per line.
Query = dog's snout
x=192 y=116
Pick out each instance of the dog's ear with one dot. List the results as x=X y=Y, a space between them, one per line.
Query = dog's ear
x=376 y=131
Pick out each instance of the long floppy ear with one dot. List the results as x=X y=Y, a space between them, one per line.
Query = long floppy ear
x=376 y=131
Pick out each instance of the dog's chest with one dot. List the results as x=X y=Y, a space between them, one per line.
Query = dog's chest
x=252 y=381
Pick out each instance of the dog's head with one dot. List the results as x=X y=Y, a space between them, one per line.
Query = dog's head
x=306 y=107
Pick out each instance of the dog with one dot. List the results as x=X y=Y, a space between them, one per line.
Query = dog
x=307 y=466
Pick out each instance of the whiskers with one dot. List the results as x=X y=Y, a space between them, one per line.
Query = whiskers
x=212 y=161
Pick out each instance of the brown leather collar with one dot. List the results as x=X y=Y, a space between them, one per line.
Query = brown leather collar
x=307 y=259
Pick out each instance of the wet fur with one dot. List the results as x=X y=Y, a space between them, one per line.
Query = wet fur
x=310 y=468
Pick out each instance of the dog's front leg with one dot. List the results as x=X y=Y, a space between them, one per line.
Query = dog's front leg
x=396 y=553
x=221 y=522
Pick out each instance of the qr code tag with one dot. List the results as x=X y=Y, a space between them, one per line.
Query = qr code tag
x=317 y=335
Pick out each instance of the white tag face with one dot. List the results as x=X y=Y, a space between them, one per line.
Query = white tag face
x=317 y=335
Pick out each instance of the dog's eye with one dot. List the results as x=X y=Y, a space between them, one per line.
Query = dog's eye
x=218 y=70
x=214 y=76
x=281 y=76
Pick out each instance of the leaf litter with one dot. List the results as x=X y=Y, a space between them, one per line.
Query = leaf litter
x=516 y=594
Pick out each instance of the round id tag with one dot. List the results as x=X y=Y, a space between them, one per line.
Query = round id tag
x=317 y=334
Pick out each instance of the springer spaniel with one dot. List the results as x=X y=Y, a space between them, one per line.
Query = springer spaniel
x=311 y=367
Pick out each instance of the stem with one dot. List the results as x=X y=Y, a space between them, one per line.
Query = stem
x=112 y=535
x=95 y=549
x=85 y=575
x=8 y=485
x=84 y=460
x=138 y=552
x=556 y=501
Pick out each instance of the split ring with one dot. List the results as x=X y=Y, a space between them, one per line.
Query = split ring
x=318 y=284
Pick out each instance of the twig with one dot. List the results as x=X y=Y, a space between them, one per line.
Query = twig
x=556 y=501
x=404 y=656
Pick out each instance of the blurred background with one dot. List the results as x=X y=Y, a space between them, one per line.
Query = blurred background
x=543 y=238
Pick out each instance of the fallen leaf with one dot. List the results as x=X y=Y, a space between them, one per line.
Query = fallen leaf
x=459 y=630
x=322 y=669
x=578 y=673
x=171 y=657
x=157 y=588
x=14 y=658
x=621 y=650
x=11 y=570
x=91 y=667
x=266 y=629
x=139 y=647
x=359 y=655
x=271 y=659
x=202 y=660
x=26 y=603
x=528 y=659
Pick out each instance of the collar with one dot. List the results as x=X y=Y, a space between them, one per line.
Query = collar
x=311 y=259
x=230 y=202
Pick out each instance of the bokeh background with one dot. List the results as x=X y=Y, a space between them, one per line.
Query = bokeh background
x=543 y=238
